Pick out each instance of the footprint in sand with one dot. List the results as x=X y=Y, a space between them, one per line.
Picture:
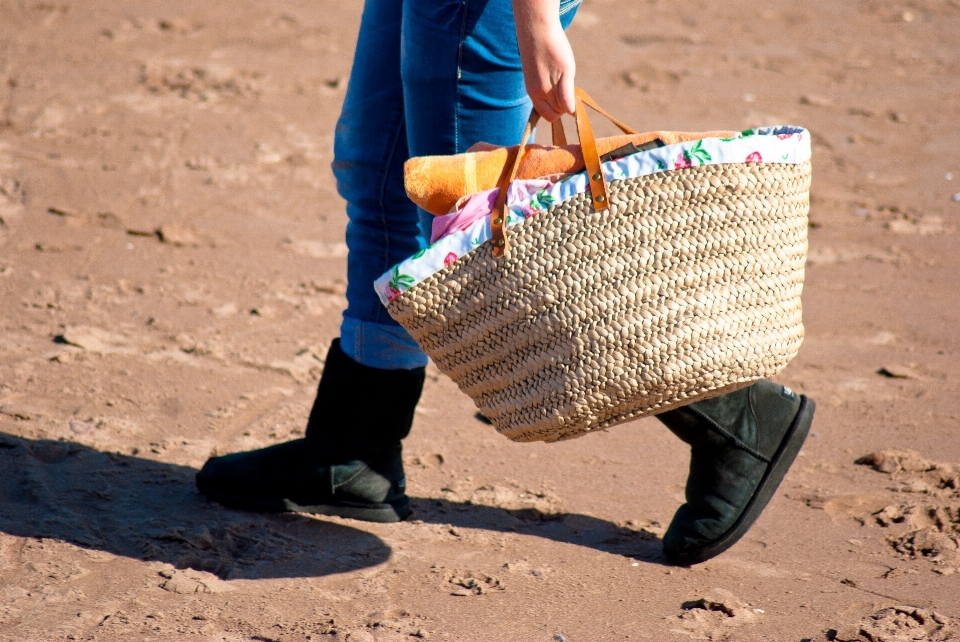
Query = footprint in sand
x=466 y=583
x=898 y=624
x=716 y=611
x=928 y=510
x=190 y=582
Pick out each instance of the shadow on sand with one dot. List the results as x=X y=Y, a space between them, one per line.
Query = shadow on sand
x=150 y=510
x=569 y=528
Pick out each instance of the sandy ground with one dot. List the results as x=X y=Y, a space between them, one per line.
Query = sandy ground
x=171 y=273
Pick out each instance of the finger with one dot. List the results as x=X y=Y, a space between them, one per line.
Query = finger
x=546 y=110
x=553 y=99
x=565 y=96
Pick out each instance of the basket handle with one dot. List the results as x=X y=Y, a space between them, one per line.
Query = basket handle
x=591 y=158
x=557 y=133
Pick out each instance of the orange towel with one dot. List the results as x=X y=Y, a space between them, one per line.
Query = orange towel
x=436 y=183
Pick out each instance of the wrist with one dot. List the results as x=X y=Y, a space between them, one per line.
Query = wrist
x=535 y=18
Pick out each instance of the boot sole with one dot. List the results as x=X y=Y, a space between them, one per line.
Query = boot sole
x=368 y=512
x=776 y=471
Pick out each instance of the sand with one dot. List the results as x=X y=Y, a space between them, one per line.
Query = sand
x=172 y=270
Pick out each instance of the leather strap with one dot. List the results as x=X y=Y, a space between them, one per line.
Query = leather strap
x=498 y=218
x=559 y=136
x=591 y=158
x=590 y=102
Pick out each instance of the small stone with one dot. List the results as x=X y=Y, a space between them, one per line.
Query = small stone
x=895 y=371
x=51 y=248
x=815 y=101
x=108 y=220
x=82 y=427
x=225 y=310
x=848 y=634
x=22 y=412
x=265 y=311
x=178 y=235
x=191 y=582
x=894 y=460
x=63 y=211
x=723 y=601
x=93 y=339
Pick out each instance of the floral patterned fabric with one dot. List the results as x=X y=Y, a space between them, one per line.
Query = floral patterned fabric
x=788 y=145
x=473 y=208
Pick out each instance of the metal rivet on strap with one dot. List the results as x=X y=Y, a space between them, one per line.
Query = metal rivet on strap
x=601 y=198
x=497 y=221
x=500 y=243
x=597 y=177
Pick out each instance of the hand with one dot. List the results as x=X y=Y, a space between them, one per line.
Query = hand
x=548 y=64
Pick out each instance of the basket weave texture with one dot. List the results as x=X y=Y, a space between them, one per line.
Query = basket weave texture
x=687 y=287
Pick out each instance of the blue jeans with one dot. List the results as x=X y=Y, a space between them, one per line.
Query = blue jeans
x=429 y=77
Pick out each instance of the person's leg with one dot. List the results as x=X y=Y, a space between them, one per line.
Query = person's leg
x=349 y=462
x=429 y=77
x=370 y=147
x=742 y=445
x=461 y=74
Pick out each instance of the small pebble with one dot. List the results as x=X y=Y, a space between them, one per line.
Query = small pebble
x=956 y=197
x=896 y=371
x=635 y=564
x=559 y=638
x=82 y=427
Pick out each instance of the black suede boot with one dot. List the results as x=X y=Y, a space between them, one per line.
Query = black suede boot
x=742 y=445
x=349 y=464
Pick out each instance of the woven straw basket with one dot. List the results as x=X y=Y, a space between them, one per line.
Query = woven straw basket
x=686 y=285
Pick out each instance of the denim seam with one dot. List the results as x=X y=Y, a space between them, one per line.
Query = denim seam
x=456 y=108
x=382 y=205
x=358 y=343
